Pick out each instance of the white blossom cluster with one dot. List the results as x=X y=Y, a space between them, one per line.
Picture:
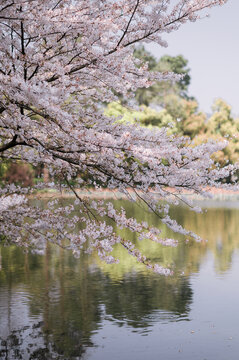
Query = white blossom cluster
x=60 y=61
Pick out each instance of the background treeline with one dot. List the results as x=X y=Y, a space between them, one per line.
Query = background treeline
x=170 y=105
x=21 y=173
x=161 y=105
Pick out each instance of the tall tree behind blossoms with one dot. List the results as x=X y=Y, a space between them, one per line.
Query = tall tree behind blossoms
x=220 y=125
x=58 y=61
x=157 y=93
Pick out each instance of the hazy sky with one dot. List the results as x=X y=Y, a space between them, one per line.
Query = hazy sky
x=211 y=46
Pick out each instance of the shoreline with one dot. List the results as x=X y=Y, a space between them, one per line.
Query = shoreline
x=215 y=194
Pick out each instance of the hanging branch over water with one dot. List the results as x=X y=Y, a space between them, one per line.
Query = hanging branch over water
x=60 y=61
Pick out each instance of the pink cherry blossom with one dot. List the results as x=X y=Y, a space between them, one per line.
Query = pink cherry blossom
x=60 y=61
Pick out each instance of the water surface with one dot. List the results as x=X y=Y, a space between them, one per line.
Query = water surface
x=58 y=307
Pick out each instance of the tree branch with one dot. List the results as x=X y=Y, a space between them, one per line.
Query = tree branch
x=9 y=145
x=126 y=29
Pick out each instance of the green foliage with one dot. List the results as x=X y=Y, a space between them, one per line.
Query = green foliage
x=220 y=126
x=160 y=90
x=179 y=112
x=4 y=165
x=145 y=56
x=182 y=117
x=178 y=65
x=221 y=122
x=145 y=116
x=190 y=121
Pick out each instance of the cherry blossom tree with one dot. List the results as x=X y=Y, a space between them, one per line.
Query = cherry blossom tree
x=60 y=61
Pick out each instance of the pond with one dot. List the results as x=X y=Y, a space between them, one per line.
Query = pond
x=58 y=307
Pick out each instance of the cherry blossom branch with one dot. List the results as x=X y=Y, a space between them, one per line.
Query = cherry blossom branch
x=59 y=62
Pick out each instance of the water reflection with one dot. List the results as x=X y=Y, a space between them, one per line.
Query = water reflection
x=51 y=306
x=70 y=298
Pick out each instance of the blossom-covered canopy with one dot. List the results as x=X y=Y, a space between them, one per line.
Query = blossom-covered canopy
x=60 y=62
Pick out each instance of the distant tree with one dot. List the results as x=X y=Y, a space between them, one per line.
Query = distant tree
x=190 y=121
x=19 y=173
x=145 y=57
x=182 y=117
x=179 y=116
x=178 y=65
x=166 y=64
x=222 y=125
x=144 y=116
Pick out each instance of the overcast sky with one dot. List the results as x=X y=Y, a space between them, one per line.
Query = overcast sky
x=211 y=46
